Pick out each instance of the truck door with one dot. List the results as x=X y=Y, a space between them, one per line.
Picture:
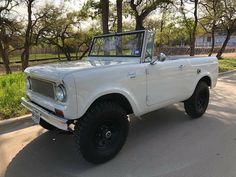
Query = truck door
x=167 y=81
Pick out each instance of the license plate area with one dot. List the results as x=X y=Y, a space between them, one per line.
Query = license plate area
x=36 y=116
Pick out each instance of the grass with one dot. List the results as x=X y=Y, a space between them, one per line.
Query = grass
x=227 y=64
x=12 y=88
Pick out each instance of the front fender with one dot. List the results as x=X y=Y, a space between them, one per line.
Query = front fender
x=84 y=102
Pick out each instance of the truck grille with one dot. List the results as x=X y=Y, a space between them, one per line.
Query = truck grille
x=45 y=88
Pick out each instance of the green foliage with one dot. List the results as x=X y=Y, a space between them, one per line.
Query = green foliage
x=12 y=88
x=227 y=64
x=91 y=8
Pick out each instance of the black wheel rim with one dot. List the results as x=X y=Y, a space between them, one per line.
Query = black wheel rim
x=106 y=135
x=202 y=100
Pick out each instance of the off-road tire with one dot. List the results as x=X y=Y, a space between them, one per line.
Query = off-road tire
x=197 y=104
x=92 y=129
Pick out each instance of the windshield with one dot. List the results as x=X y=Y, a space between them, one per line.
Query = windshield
x=118 y=45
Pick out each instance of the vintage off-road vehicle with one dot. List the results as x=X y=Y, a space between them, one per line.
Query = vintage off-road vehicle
x=119 y=77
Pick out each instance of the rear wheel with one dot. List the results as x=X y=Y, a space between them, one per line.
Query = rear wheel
x=101 y=133
x=197 y=104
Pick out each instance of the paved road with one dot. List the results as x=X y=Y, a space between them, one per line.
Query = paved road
x=165 y=143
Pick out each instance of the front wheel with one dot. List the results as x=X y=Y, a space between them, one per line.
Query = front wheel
x=197 y=104
x=101 y=133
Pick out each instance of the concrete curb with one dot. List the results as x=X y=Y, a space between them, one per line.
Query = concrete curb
x=15 y=120
x=227 y=73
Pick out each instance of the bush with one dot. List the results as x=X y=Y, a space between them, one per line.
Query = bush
x=227 y=64
x=12 y=88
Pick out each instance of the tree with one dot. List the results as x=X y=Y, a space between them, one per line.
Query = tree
x=212 y=12
x=142 y=8
x=8 y=30
x=28 y=35
x=62 y=30
x=189 y=23
x=119 y=15
x=104 y=5
x=228 y=22
x=29 y=32
x=56 y=29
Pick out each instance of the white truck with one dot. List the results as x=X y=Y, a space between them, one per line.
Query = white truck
x=120 y=77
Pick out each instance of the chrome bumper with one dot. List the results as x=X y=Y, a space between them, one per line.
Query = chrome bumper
x=45 y=115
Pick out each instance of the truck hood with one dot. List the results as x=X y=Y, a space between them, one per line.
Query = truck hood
x=57 y=71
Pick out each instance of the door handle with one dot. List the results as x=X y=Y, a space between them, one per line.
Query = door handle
x=181 y=67
x=132 y=75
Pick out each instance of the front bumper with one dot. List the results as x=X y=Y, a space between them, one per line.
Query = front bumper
x=45 y=115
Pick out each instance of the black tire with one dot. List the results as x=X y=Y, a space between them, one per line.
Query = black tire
x=197 y=104
x=101 y=132
x=46 y=125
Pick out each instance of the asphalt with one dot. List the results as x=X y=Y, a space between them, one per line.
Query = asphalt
x=164 y=143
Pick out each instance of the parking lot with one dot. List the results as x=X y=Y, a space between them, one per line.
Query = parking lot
x=164 y=143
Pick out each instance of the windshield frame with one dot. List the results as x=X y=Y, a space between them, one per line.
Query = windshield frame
x=120 y=34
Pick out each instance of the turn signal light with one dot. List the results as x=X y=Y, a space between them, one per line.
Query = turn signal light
x=59 y=113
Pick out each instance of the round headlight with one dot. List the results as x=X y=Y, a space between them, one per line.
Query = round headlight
x=28 y=83
x=61 y=93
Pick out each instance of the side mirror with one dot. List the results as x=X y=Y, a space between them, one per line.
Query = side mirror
x=162 y=57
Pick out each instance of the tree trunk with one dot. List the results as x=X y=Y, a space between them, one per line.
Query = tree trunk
x=76 y=52
x=84 y=53
x=221 y=51
x=67 y=54
x=212 y=39
x=58 y=53
x=6 y=63
x=5 y=59
x=105 y=15
x=139 y=23
x=25 y=53
x=192 y=48
x=119 y=15
x=25 y=57
x=193 y=39
x=119 y=26
x=161 y=32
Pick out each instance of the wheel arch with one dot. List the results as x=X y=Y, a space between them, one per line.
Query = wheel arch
x=119 y=98
x=207 y=79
